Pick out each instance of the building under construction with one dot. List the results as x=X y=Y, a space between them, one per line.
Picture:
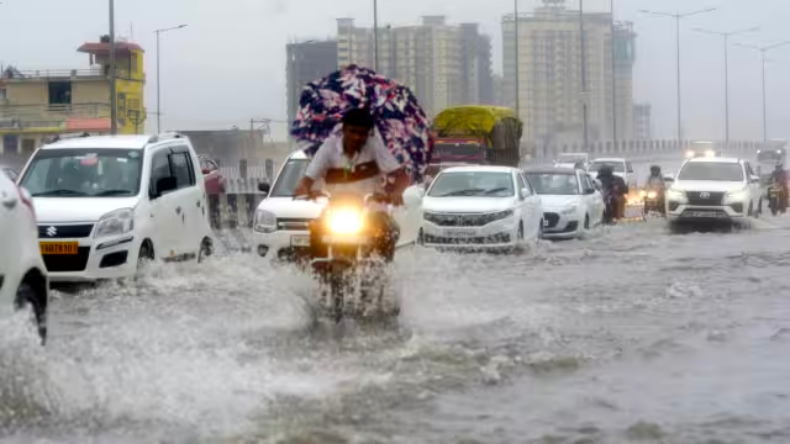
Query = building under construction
x=553 y=87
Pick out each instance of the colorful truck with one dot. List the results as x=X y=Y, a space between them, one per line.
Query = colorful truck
x=476 y=134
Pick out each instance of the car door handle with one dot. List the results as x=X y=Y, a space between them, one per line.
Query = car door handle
x=197 y=203
x=178 y=210
x=10 y=203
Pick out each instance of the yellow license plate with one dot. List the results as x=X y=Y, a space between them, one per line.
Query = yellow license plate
x=59 y=247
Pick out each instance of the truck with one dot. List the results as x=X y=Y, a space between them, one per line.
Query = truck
x=476 y=134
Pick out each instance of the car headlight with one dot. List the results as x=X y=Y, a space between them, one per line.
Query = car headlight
x=345 y=221
x=570 y=210
x=739 y=195
x=643 y=193
x=710 y=153
x=265 y=222
x=676 y=195
x=690 y=154
x=115 y=223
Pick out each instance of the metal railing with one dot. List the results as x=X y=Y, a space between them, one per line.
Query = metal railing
x=97 y=72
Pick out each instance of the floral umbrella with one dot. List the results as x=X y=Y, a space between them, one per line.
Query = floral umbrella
x=400 y=120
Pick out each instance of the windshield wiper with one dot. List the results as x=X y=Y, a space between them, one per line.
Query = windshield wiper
x=61 y=192
x=469 y=192
x=106 y=193
x=496 y=190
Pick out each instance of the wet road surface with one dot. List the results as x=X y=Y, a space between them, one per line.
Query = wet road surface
x=632 y=335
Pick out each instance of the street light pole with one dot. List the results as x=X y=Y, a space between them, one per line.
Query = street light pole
x=678 y=17
x=582 y=42
x=763 y=52
x=159 y=76
x=518 y=68
x=614 y=77
x=726 y=36
x=376 y=35
x=112 y=76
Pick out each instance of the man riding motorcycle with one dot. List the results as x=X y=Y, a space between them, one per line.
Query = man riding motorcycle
x=358 y=163
x=614 y=190
x=779 y=178
x=655 y=184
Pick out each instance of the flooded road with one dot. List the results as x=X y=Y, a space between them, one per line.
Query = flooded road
x=632 y=335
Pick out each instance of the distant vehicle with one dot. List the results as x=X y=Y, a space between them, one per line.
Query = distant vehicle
x=702 y=149
x=714 y=189
x=212 y=176
x=477 y=134
x=571 y=202
x=23 y=276
x=10 y=172
x=107 y=204
x=480 y=207
x=572 y=160
x=621 y=167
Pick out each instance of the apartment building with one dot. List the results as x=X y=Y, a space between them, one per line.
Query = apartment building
x=306 y=62
x=551 y=92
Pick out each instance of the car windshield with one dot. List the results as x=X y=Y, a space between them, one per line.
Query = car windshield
x=473 y=184
x=288 y=179
x=617 y=167
x=84 y=173
x=714 y=171
x=554 y=184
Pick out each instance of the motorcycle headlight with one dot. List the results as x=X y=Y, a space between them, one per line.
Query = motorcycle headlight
x=652 y=195
x=345 y=221
x=265 y=222
x=643 y=193
x=115 y=223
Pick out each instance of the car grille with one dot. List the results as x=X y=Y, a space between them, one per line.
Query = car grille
x=462 y=220
x=495 y=239
x=64 y=231
x=552 y=219
x=67 y=262
x=293 y=224
x=703 y=198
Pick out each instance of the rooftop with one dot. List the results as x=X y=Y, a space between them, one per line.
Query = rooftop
x=100 y=142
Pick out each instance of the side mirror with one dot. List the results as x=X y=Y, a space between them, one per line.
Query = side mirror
x=264 y=187
x=165 y=185
x=754 y=179
x=524 y=192
x=589 y=191
x=206 y=171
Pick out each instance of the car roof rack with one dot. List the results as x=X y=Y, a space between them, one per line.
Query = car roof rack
x=165 y=136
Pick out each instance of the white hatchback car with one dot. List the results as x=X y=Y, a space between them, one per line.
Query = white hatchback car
x=23 y=276
x=106 y=203
x=709 y=189
x=571 y=203
x=486 y=207
x=280 y=229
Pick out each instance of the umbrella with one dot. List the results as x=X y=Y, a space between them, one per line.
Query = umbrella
x=400 y=121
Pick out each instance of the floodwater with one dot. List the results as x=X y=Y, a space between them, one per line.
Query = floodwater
x=631 y=335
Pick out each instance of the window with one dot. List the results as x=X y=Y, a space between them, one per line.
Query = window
x=60 y=93
x=28 y=146
x=160 y=169
x=182 y=170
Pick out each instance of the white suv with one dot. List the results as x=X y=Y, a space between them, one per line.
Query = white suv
x=106 y=203
x=713 y=188
x=23 y=276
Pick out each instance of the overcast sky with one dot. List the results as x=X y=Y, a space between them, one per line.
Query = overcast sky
x=228 y=65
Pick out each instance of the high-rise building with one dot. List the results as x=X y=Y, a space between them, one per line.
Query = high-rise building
x=551 y=91
x=305 y=62
x=643 y=121
x=444 y=65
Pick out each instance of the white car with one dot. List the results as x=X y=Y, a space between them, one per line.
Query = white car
x=23 y=276
x=571 y=203
x=280 y=229
x=621 y=167
x=487 y=207
x=713 y=189
x=106 y=203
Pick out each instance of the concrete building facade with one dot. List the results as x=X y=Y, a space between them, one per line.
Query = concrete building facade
x=305 y=62
x=36 y=106
x=643 y=121
x=551 y=93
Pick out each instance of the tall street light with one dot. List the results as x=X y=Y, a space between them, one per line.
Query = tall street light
x=113 y=93
x=678 y=17
x=763 y=51
x=518 y=70
x=159 y=32
x=376 y=35
x=726 y=36
x=614 y=76
x=585 y=93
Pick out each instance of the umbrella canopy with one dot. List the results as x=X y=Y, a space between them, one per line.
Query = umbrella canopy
x=400 y=121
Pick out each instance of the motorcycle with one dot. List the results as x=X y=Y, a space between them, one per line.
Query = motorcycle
x=352 y=278
x=653 y=202
x=777 y=200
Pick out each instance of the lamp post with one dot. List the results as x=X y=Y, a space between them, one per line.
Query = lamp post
x=726 y=36
x=678 y=17
x=614 y=76
x=375 y=35
x=763 y=51
x=113 y=93
x=159 y=32
x=585 y=93
x=516 y=38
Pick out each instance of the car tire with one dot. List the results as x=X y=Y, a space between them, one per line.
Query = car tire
x=540 y=229
x=421 y=238
x=520 y=233
x=145 y=256
x=28 y=296
x=751 y=210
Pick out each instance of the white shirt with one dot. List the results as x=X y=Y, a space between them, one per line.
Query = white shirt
x=330 y=155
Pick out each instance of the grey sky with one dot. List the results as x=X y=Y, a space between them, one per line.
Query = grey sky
x=228 y=65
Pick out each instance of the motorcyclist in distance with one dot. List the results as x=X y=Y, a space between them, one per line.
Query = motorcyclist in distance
x=655 y=183
x=357 y=162
x=779 y=177
x=614 y=190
